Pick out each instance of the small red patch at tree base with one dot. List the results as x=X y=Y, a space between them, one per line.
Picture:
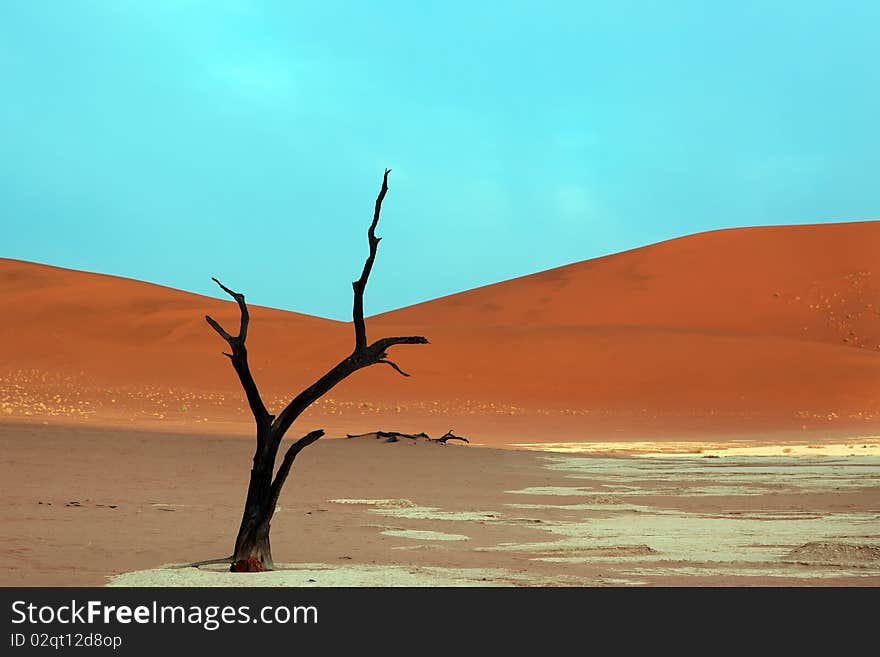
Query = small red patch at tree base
x=250 y=565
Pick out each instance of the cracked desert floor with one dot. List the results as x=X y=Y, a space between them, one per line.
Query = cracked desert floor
x=362 y=512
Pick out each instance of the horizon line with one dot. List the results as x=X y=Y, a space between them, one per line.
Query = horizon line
x=451 y=294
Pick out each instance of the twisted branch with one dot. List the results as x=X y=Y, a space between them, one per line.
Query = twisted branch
x=360 y=330
x=287 y=462
x=363 y=355
x=240 y=361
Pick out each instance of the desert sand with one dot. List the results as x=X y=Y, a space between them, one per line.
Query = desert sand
x=710 y=404
x=87 y=506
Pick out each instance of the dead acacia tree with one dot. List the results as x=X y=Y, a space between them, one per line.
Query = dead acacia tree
x=252 y=548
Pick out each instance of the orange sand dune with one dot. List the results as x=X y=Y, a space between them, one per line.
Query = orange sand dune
x=734 y=331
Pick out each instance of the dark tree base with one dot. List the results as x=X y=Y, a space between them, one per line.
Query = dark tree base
x=252 y=565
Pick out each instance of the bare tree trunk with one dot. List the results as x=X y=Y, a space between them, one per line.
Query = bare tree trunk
x=252 y=548
x=253 y=551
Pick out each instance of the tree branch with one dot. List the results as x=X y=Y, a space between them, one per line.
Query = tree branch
x=287 y=462
x=245 y=316
x=382 y=344
x=451 y=436
x=389 y=436
x=392 y=364
x=362 y=356
x=216 y=326
x=360 y=329
x=240 y=361
x=395 y=436
x=206 y=562
x=372 y=355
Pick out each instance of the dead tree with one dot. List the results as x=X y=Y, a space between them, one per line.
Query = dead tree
x=252 y=549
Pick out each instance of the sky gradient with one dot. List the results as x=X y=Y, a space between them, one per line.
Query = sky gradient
x=172 y=141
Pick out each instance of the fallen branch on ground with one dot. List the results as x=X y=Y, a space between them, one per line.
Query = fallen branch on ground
x=395 y=436
x=206 y=562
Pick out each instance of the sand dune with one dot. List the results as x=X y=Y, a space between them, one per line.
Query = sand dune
x=737 y=331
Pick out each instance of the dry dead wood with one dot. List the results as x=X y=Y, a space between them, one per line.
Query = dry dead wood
x=252 y=542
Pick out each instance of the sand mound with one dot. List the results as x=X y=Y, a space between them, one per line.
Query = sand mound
x=832 y=553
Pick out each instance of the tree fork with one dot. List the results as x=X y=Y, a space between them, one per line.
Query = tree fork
x=253 y=551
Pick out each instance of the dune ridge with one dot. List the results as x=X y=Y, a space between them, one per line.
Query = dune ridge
x=739 y=331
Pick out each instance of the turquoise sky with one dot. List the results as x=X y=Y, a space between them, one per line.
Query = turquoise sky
x=171 y=141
